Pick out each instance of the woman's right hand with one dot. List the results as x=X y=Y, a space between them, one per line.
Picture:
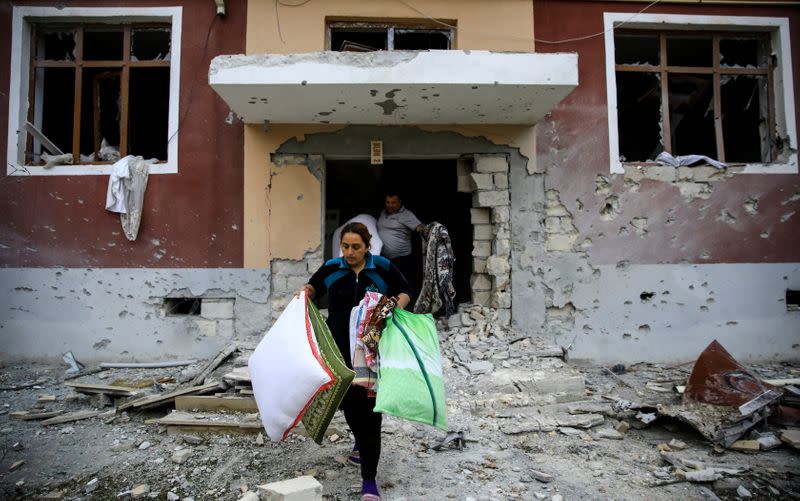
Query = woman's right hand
x=308 y=288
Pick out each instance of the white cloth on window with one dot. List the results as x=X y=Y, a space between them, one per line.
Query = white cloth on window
x=665 y=158
x=376 y=244
x=116 y=196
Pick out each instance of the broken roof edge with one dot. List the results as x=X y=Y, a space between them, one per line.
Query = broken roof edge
x=388 y=67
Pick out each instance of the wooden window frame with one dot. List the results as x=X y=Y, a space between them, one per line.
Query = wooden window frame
x=716 y=70
x=123 y=65
x=392 y=26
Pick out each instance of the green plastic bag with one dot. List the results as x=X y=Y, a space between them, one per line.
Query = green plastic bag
x=410 y=382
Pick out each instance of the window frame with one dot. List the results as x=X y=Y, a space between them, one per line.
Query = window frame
x=782 y=92
x=416 y=25
x=23 y=20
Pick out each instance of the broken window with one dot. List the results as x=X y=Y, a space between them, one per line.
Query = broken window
x=99 y=91
x=368 y=36
x=707 y=93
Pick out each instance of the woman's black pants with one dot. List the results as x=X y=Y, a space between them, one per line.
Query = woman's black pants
x=366 y=428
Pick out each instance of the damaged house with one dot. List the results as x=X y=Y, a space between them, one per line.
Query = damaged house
x=552 y=138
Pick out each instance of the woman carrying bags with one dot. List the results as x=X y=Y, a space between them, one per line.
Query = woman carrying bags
x=345 y=280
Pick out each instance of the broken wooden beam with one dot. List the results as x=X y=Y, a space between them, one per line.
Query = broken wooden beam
x=23 y=386
x=203 y=403
x=70 y=417
x=225 y=353
x=117 y=391
x=160 y=399
x=84 y=372
x=33 y=415
x=146 y=365
x=183 y=422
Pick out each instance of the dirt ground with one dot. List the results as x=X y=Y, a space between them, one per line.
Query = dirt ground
x=515 y=434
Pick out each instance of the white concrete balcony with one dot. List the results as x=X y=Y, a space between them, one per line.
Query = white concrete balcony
x=394 y=87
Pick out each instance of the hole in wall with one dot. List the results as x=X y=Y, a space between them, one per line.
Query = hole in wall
x=646 y=296
x=179 y=306
x=792 y=300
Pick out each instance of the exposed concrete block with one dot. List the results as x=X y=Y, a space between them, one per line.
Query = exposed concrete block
x=464 y=184
x=490 y=198
x=685 y=173
x=560 y=242
x=500 y=300
x=501 y=282
x=491 y=163
x=481 y=297
x=704 y=173
x=634 y=173
x=205 y=328
x=305 y=488
x=480 y=216
x=497 y=265
x=478 y=265
x=501 y=181
x=481 y=249
x=502 y=232
x=663 y=173
x=217 y=308
x=480 y=282
x=295 y=282
x=482 y=181
x=289 y=267
x=464 y=167
x=313 y=265
x=483 y=232
x=501 y=215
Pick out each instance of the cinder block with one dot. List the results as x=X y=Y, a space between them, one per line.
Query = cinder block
x=501 y=181
x=560 y=242
x=490 y=198
x=480 y=282
x=464 y=184
x=501 y=282
x=480 y=216
x=483 y=232
x=464 y=167
x=497 y=265
x=481 y=249
x=295 y=282
x=305 y=488
x=478 y=265
x=501 y=247
x=500 y=300
x=481 y=297
x=491 y=163
x=217 y=308
x=482 y=181
x=289 y=267
x=501 y=214
x=205 y=328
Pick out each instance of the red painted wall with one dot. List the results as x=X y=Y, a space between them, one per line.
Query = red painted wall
x=573 y=148
x=192 y=219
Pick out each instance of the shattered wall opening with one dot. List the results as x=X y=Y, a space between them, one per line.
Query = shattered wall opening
x=364 y=36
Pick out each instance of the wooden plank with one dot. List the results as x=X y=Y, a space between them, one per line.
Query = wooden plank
x=782 y=382
x=192 y=402
x=70 y=417
x=221 y=356
x=165 y=398
x=187 y=422
x=122 y=391
x=33 y=416
x=228 y=430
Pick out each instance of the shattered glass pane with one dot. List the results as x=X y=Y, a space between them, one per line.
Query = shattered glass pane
x=689 y=51
x=53 y=99
x=744 y=51
x=691 y=108
x=639 y=115
x=421 y=40
x=148 y=112
x=56 y=45
x=150 y=44
x=636 y=48
x=744 y=118
x=100 y=113
x=102 y=45
x=358 y=40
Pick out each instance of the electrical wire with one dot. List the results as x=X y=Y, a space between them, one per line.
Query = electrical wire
x=194 y=82
x=594 y=35
x=278 y=21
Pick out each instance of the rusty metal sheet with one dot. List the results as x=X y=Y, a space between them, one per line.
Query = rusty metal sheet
x=718 y=379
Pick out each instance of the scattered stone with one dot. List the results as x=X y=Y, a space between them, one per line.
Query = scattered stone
x=557 y=497
x=249 y=496
x=677 y=445
x=743 y=492
x=260 y=439
x=646 y=417
x=124 y=446
x=56 y=494
x=139 y=491
x=541 y=476
x=623 y=427
x=570 y=432
x=663 y=448
x=16 y=465
x=171 y=496
x=745 y=446
x=580 y=421
x=708 y=475
x=17 y=446
x=769 y=441
x=91 y=485
x=480 y=367
x=180 y=457
x=192 y=439
x=144 y=445
x=305 y=488
x=609 y=434
x=791 y=437
x=334 y=437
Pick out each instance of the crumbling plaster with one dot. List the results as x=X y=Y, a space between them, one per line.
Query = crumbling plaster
x=117 y=314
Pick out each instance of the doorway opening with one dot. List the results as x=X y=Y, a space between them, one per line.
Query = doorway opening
x=428 y=188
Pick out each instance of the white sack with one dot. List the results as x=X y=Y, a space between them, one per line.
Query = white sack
x=287 y=371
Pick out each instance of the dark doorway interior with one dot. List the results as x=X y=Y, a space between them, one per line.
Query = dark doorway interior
x=427 y=188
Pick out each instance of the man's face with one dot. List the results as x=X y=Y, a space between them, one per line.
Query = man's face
x=392 y=204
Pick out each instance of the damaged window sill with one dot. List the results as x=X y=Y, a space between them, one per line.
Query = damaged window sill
x=82 y=170
x=732 y=168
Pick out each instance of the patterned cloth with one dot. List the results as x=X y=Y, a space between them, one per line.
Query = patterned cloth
x=366 y=372
x=437 y=282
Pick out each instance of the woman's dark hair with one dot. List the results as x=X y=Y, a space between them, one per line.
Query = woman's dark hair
x=359 y=229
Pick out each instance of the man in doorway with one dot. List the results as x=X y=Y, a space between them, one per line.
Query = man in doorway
x=395 y=225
